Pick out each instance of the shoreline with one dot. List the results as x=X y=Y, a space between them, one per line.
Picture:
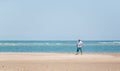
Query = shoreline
x=54 y=55
x=62 y=52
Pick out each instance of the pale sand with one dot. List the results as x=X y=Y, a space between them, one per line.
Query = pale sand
x=59 y=62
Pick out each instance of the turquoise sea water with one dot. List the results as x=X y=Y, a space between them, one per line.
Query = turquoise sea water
x=58 y=46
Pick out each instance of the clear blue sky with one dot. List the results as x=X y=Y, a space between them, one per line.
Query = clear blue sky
x=59 y=19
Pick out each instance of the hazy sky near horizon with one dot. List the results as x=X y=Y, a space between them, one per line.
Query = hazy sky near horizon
x=59 y=19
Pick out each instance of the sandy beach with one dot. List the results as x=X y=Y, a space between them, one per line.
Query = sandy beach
x=59 y=62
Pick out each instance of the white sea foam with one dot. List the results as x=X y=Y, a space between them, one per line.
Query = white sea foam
x=35 y=44
x=108 y=42
x=55 y=44
x=116 y=42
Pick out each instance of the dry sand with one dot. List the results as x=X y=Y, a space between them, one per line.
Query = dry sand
x=59 y=62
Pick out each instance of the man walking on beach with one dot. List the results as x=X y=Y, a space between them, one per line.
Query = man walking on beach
x=79 y=46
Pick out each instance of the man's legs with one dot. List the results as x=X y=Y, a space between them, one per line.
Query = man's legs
x=77 y=51
x=81 y=50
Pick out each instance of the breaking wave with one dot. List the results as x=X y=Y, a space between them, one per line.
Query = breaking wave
x=55 y=43
x=113 y=43
x=35 y=44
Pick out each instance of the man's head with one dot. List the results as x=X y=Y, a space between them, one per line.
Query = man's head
x=79 y=40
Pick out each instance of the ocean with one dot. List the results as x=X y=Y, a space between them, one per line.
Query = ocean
x=58 y=46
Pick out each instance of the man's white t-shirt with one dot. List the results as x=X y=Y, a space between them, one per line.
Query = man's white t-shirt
x=79 y=44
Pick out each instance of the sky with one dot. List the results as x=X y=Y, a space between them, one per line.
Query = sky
x=59 y=19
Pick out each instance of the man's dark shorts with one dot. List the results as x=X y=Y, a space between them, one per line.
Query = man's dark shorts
x=78 y=49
